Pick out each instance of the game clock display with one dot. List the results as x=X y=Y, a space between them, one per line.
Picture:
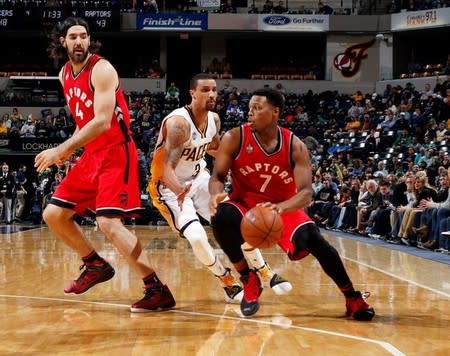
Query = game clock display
x=17 y=19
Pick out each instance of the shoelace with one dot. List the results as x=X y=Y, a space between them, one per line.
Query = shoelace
x=265 y=273
x=82 y=277
x=150 y=292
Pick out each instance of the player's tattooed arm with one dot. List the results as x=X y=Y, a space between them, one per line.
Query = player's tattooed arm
x=177 y=133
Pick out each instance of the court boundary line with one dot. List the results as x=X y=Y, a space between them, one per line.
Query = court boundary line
x=390 y=274
x=383 y=344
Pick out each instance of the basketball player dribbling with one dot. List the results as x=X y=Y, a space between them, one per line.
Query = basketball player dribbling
x=269 y=165
x=179 y=181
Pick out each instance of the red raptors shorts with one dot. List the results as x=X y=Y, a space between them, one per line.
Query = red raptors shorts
x=104 y=182
x=292 y=220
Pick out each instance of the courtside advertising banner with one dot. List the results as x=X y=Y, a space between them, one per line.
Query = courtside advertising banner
x=293 y=23
x=166 y=21
x=420 y=19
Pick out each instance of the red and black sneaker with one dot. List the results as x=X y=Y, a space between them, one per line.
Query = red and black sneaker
x=252 y=291
x=358 y=309
x=94 y=272
x=156 y=298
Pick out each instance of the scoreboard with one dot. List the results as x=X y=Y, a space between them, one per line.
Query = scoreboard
x=44 y=18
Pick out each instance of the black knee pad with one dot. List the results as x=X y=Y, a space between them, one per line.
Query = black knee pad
x=226 y=226
x=308 y=238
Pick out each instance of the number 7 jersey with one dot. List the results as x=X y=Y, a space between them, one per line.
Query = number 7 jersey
x=258 y=176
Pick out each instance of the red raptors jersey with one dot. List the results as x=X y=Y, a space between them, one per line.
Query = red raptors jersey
x=79 y=96
x=258 y=176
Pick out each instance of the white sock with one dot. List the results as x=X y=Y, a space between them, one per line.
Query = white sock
x=253 y=255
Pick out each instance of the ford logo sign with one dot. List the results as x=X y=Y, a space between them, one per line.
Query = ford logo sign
x=277 y=20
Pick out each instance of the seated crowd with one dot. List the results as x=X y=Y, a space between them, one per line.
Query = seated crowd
x=380 y=161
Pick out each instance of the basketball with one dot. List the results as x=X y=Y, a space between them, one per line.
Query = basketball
x=261 y=227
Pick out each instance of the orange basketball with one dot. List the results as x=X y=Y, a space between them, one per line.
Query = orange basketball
x=261 y=227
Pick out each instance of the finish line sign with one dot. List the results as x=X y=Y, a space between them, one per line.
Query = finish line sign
x=179 y=21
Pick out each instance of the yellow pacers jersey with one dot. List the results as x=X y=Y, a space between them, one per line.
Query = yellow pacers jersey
x=192 y=158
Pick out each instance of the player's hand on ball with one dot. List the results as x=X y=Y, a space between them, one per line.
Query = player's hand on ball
x=273 y=206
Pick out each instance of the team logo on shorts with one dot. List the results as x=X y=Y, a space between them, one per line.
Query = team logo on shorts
x=123 y=197
x=249 y=149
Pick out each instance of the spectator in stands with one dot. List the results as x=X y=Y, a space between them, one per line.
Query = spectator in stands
x=226 y=66
x=337 y=211
x=215 y=67
x=403 y=140
x=280 y=8
x=3 y=129
x=381 y=226
x=324 y=9
x=445 y=112
x=7 y=188
x=368 y=203
x=389 y=122
x=428 y=220
x=20 y=201
x=244 y=96
x=155 y=71
x=173 y=93
x=143 y=169
x=426 y=159
x=444 y=238
x=353 y=125
x=41 y=129
x=253 y=9
x=441 y=132
x=234 y=111
x=381 y=169
x=431 y=129
x=426 y=93
x=403 y=197
x=322 y=202
x=356 y=110
x=357 y=169
x=228 y=7
x=426 y=145
x=226 y=89
x=423 y=192
x=358 y=96
x=60 y=124
x=280 y=88
x=267 y=7
x=28 y=128
x=15 y=115
x=150 y=6
x=317 y=184
x=14 y=126
x=401 y=124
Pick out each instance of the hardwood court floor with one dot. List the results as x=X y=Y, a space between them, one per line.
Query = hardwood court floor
x=411 y=297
